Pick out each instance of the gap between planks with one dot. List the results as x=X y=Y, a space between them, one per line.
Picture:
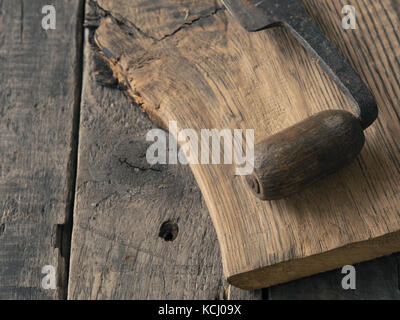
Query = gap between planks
x=67 y=228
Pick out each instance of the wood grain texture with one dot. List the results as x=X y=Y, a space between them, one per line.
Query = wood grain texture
x=118 y=251
x=39 y=100
x=212 y=74
x=159 y=19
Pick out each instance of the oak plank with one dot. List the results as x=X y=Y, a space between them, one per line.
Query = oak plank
x=39 y=102
x=122 y=202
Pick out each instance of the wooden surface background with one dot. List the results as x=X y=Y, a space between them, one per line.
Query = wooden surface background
x=211 y=73
x=120 y=203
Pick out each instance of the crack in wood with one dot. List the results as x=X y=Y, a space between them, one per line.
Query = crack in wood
x=124 y=161
x=123 y=23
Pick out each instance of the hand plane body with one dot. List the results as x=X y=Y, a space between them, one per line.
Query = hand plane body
x=297 y=161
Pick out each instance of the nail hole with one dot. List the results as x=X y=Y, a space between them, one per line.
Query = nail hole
x=169 y=231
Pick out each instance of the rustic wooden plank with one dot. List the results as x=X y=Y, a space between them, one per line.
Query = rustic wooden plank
x=39 y=100
x=122 y=202
x=210 y=73
x=375 y=280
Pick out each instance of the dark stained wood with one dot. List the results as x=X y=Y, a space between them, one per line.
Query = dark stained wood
x=39 y=102
x=125 y=210
x=208 y=72
x=292 y=160
x=375 y=280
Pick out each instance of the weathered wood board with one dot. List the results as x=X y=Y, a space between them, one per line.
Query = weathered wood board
x=374 y=280
x=39 y=102
x=121 y=204
x=207 y=72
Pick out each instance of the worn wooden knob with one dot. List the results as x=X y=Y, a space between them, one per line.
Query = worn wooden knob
x=298 y=156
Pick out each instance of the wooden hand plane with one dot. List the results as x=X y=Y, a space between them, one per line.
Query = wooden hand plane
x=293 y=159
